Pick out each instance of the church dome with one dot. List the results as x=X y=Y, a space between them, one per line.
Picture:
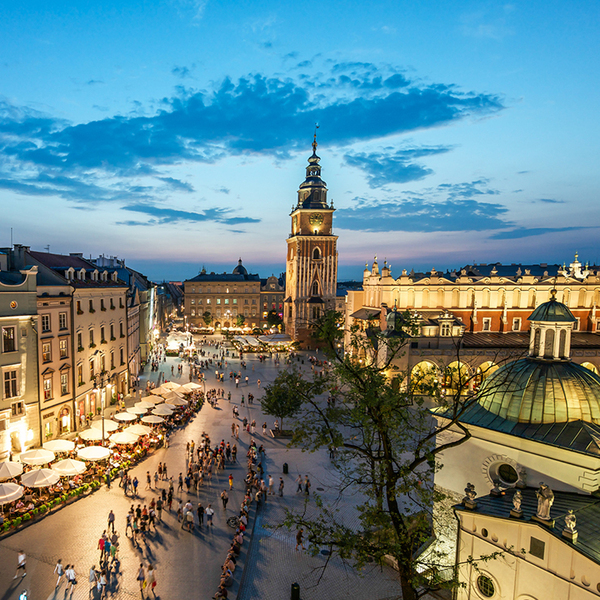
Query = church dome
x=240 y=269
x=541 y=392
x=552 y=311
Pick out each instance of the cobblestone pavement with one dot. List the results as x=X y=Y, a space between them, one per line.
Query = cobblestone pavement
x=188 y=564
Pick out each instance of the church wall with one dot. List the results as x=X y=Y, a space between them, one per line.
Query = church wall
x=563 y=573
x=477 y=460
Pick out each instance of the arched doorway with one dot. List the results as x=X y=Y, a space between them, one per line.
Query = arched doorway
x=484 y=370
x=64 y=420
x=456 y=378
x=424 y=378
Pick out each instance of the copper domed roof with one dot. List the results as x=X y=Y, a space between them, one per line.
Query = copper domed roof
x=538 y=391
x=552 y=311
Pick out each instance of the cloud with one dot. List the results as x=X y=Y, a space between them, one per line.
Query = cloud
x=181 y=72
x=550 y=201
x=256 y=114
x=393 y=167
x=523 y=232
x=446 y=207
x=162 y=216
x=177 y=184
x=95 y=82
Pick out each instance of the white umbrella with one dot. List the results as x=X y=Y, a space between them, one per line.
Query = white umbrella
x=159 y=390
x=139 y=429
x=123 y=438
x=191 y=386
x=162 y=411
x=109 y=425
x=93 y=453
x=125 y=416
x=59 y=445
x=171 y=385
x=40 y=478
x=39 y=456
x=172 y=396
x=145 y=404
x=69 y=467
x=10 y=469
x=177 y=402
x=10 y=492
x=137 y=410
x=154 y=419
x=91 y=435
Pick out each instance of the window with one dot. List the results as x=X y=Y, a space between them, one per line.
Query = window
x=121 y=356
x=79 y=311
x=516 y=325
x=218 y=300
x=193 y=302
x=120 y=302
x=102 y=338
x=112 y=332
x=112 y=360
x=508 y=474
x=79 y=342
x=316 y=256
x=9 y=342
x=199 y=300
x=253 y=300
x=80 y=375
x=10 y=384
x=102 y=363
x=112 y=304
x=536 y=548
x=92 y=373
x=485 y=586
x=92 y=306
x=234 y=300
x=315 y=312
x=487 y=324
x=446 y=330
x=102 y=307
x=64 y=384
x=92 y=338
x=45 y=322
x=62 y=346
x=48 y=388
x=226 y=300
x=17 y=408
x=62 y=320
x=46 y=353
x=193 y=312
x=218 y=312
x=576 y=324
x=208 y=301
x=121 y=330
x=315 y=289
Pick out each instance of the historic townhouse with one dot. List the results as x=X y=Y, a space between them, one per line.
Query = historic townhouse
x=19 y=400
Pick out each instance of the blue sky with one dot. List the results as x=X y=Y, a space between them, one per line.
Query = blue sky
x=174 y=134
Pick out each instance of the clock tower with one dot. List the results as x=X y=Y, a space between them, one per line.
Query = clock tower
x=311 y=264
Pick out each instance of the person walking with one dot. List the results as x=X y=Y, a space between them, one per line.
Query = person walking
x=209 y=515
x=281 y=485
x=129 y=521
x=299 y=482
x=135 y=484
x=230 y=481
x=224 y=499
x=234 y=453
x=270 y=485
x=101 y=543
x=180 y=483
x=155 y=479
x=141 y=577
x=200 y=513
x=264 y=428
x=71 y=578
x=21 y=564
x=93 y=579
x=159 y=507
x=59 y=571
x=306 y=485
x=111 y=521
x=102 y=581
x=148 y=481
x=300 y=539
x=151 y=579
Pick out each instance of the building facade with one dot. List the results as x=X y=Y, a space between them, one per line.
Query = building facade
x=223 y=299
x=311 y=262
x=272 y=295
x=19 y=398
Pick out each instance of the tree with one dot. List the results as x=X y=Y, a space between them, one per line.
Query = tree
x=284 y=397
x=390 y=446
x=273 y=319
x=207 y=317
x=240 y=321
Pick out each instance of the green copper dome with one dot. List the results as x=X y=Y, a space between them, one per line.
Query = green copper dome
x=537 y=391
x=552 y=311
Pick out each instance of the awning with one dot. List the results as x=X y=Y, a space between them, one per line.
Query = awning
x=366 y=313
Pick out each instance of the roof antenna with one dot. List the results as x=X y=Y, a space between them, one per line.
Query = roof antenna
x=47 y=248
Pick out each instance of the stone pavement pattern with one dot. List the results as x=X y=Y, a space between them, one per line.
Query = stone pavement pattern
x=188 y=565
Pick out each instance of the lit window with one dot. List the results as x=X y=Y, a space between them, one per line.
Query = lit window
x=446 y=330
x=485 y=586
x=9 y=343
x=47 y=388
x=62 y=346
x=64 y=384
x=46 y=353
x=17 y=408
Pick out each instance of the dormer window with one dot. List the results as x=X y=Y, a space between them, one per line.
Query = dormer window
x=114 y=276
x=81 y=275
x=104 y=275
x=95 y=275
x=70 y=273
x=445 y=329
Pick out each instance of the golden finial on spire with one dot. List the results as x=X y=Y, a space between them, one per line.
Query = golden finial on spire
x=314 y=144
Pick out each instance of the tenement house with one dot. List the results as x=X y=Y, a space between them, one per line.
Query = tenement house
x=473 y=318
x=19 y=401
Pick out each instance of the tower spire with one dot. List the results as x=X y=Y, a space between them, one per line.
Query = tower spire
x=314 y=144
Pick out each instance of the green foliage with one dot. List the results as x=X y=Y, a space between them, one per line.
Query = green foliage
x=240 y=320
x=285 y=396
x=35 y=511
x=43 y=508
x=207 y=318
x=6 y=526
x=17 y=521
x=385 y=436
x=273 y=318
x=27 y=517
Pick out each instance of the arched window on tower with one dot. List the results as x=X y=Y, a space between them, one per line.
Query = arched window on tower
x=536 y=343
x=316 y=253
x=549 y=346
x=562 y=345
x=315 y=289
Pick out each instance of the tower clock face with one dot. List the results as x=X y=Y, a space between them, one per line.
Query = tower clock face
x=316 y=219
